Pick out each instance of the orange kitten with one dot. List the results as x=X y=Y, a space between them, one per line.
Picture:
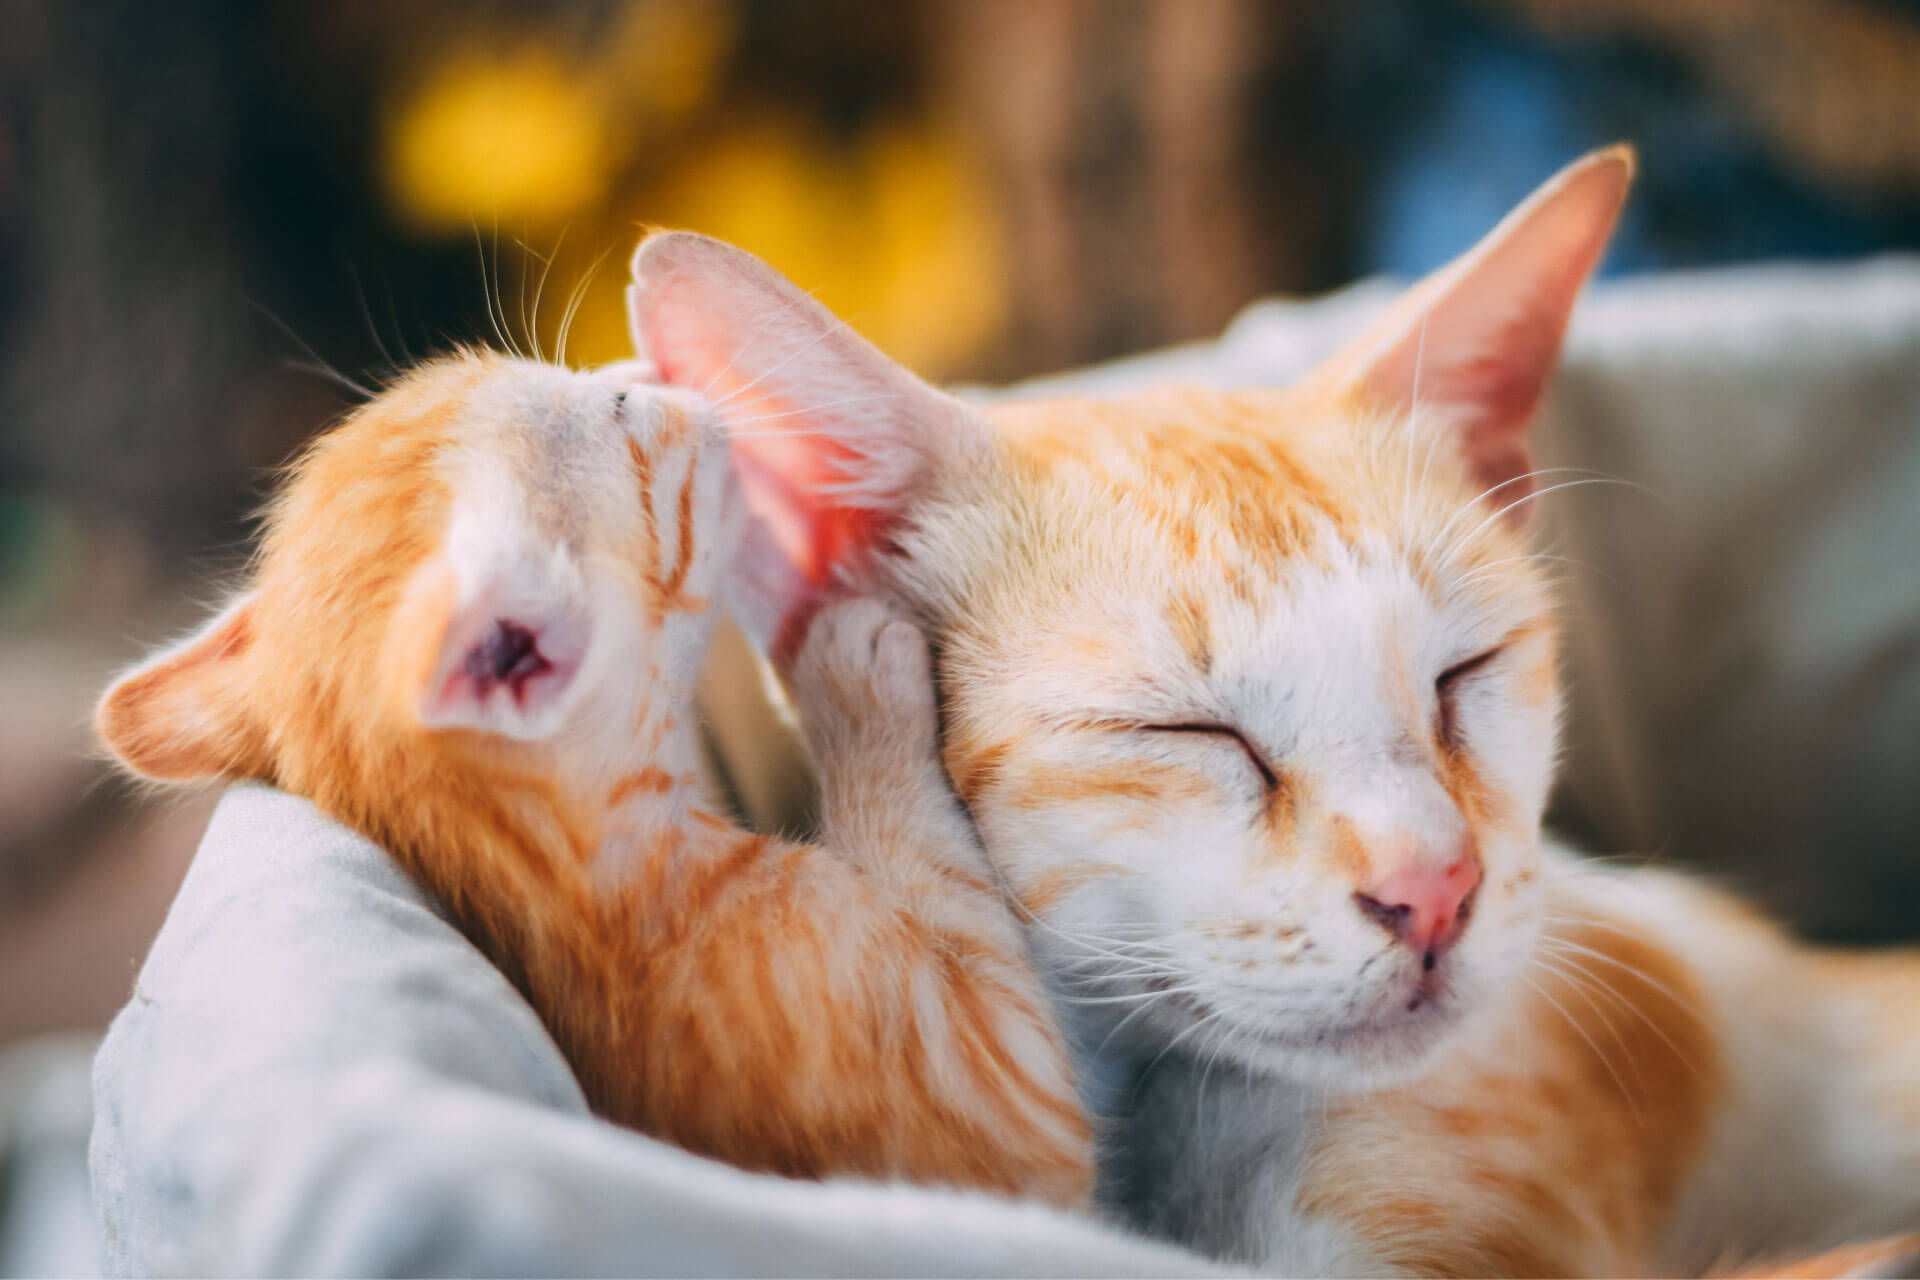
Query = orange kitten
x=472 y=634
x=1252 y=697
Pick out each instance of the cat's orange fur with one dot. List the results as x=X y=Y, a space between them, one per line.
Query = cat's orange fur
x=858 y=1007
x=1193 y=653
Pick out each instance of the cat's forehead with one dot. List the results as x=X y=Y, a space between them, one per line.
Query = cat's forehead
x=1236 y=491
x=1205 y=532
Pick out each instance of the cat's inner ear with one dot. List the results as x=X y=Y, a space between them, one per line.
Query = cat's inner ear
x=1471 y=349
x=498 y=649
x=832 y=439
x=181 y=716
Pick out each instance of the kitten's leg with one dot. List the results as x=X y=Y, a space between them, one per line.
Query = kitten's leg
x=864 y=688
x=863 y=683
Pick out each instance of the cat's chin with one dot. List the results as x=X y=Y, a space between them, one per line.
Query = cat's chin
x=1376 y=1053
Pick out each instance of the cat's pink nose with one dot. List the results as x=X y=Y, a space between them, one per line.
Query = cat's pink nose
x=1425 y=907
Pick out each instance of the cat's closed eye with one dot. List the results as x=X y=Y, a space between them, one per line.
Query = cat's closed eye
x=1447 y=683
x=1230 y=734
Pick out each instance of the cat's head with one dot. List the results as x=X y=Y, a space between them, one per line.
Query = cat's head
x=491 y=560
x=1252 y=696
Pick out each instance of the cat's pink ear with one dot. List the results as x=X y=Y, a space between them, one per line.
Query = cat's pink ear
x=497 y=648
x=1472 y=347
x=181 y=715
x=832 y=439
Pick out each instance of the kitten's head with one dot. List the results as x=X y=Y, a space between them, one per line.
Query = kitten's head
x=491 y=561
x=1252 y=696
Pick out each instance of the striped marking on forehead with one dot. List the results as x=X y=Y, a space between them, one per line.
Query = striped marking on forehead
x=1253 y=474
x=667 y=518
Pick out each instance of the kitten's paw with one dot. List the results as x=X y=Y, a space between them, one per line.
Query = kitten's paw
x=864 y=686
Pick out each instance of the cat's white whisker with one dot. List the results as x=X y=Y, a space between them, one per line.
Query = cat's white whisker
x=1564 y=946
x=1133 y=997
x=1474 y=503
x=798 y=413
x=752 y=342
x=1413 y=420
x=1562 y=969
x=1625 y=1093
x=1483 y=571
x=1571 y=965
x=1474 y=534
x=778 y=365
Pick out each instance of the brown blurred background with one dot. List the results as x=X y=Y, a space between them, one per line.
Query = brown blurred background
x=214 y=217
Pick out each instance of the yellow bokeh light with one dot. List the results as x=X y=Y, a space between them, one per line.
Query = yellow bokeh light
x=892 y=232
x=513 y=136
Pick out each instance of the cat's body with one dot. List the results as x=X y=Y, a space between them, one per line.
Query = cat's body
x=1252 y=698
x=472 y=634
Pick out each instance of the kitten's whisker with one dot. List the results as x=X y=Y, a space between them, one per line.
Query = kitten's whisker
x=533 y=339
x=540 y=288
x=332 y=375
x=574 y=302
x=399 y=331
x=319 y=365
x=486 y=289
x=500 y=294
x=373 y=330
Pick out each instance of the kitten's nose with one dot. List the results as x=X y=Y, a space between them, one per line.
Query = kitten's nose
x=1425 y=907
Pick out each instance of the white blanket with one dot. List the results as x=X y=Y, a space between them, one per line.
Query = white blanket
x=317 y=1075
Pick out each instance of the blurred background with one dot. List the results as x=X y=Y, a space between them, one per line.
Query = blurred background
x=216 y=218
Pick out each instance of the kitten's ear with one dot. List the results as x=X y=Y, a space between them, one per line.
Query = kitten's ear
x=832 y=439
x=181 y=715
x=1474 y=344
x=498 y=648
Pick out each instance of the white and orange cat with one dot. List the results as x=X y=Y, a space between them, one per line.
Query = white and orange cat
x=472 y=634
x=1252 y=697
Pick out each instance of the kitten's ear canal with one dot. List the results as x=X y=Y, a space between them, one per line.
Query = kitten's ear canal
x=832 y=439
x=1472 y=347
x=501 y=654
x=181 y=716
